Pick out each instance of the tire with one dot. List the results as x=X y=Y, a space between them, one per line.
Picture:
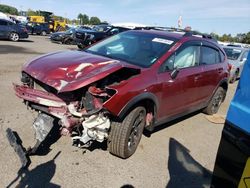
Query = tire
x=215 y=102
x=14 y=37
x=43 y=33
x=235 y=76
x=80 y=46
x=125 y=136
x=67 y=41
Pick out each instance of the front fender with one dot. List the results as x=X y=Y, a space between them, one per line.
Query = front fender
x=137 y=99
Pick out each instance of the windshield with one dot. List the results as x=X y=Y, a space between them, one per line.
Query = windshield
x=101 y=28
x=232 y=53
x=137 y=48
x=70 y=31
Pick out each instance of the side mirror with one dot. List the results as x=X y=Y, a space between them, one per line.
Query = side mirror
x=244 y=59
x=174 y=73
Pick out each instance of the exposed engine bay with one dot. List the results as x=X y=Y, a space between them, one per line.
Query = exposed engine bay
x=80 y=113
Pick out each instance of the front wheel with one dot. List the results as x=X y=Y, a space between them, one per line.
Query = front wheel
x=14 y=37
x=80 y=46
x=215 y=102
x=125 y=136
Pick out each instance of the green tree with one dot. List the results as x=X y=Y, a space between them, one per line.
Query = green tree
x=246 y=38
x=8 y=9
x=85 y=19
x=80 y=18
x=31 y=12
x=214 y=35
x=94 y=20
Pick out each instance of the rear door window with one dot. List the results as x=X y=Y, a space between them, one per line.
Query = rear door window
x=209 y=56
x=2 y=22
x=10 y=23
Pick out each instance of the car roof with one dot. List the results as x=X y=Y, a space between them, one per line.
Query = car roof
x=177 y=35
x=237 y=48
x=160 y=33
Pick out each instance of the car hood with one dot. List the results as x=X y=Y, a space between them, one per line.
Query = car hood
x=71 y=70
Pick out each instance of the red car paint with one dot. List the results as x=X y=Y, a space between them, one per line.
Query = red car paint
x=190 y=90
x=71 y=70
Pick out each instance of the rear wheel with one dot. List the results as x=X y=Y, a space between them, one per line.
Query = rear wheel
x=80 y=46
x=216 y=101
x=14 y=36
x=126 y=135
x=67 y=41
x=43 y=33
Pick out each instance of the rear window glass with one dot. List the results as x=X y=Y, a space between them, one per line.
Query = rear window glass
x=233 y=53
x=2 y=22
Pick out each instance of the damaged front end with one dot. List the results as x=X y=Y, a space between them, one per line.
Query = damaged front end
x=80 y=113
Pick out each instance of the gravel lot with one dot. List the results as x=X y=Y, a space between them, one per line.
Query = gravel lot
x=178 y=154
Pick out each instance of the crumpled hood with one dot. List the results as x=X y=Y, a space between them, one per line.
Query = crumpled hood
x=71 y=70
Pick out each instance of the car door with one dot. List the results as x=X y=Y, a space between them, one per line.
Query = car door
x=180 y=77
x=212 y=70
x=3 y=29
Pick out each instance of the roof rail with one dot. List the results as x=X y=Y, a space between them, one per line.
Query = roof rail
x=186 y=33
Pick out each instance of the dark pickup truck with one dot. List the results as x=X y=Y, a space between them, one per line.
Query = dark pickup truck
x=85 y=37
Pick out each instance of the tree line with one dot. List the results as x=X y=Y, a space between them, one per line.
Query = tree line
x=241 y=37
x=85 y=20
x=8 y=9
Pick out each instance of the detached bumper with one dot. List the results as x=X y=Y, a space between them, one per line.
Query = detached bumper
x=16 y=143
x=37 y=96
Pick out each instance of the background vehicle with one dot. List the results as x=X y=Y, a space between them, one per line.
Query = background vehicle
x=38 y=28
x=123 y=84
x=12 y=31
x=236 y=58
x=66 y=37
x=47 y=17
x=232 y=166
x=84 y=37
x=36 y=19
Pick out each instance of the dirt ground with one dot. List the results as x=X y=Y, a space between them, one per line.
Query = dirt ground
x=179 y=154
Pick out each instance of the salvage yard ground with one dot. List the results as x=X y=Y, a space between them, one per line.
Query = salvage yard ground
x=178 y=154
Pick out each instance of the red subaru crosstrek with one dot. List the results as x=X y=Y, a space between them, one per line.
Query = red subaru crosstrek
x=119 y=86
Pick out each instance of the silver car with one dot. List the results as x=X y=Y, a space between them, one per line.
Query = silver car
x=236 y=58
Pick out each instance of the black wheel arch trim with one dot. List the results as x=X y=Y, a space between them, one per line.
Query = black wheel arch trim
x=225 y=80
x=136 y=100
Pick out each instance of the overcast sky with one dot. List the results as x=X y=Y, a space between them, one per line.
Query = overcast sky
x=220 y=16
